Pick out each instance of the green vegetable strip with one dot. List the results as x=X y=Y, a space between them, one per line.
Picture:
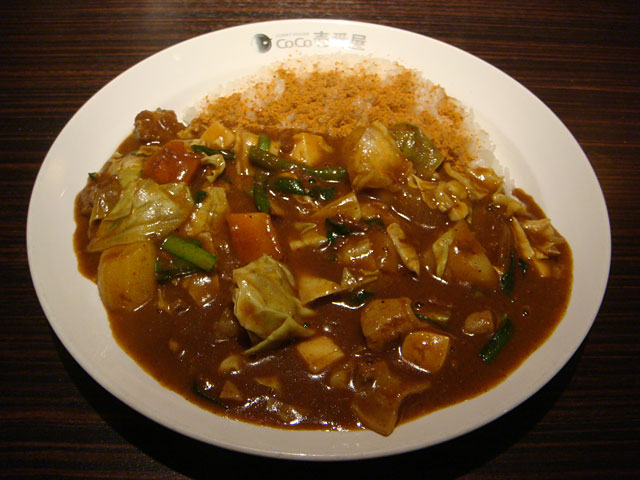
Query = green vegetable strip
x=268 y=161
x=186 y=250
x=226 y=154
x=524 y=266
x=205 y=390
x=324 y=173
x=260 y=196
x=359 y=298
x=335 y=230
x=273 y=163
x=508 y=279
x=324 y=194
x=264 y=142
x=497 y=342
x=417 y=147
x=289 y=185
x=170 y=266
x=199 y=196
x=436 y=319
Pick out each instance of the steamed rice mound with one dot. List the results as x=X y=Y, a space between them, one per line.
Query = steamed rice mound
x=332 y=98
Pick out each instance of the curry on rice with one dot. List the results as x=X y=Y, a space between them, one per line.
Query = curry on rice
x=324 y=250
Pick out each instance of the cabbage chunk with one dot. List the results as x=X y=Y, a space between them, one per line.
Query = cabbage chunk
x=346 y=206
x=145 y=211
x=373 y=159
x=208 y=215
x=461 y=257
x=379 y=396
x=266 y=304
x=407 y=252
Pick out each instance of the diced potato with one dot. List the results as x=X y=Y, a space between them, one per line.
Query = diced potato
x=126 y=275
x=425 y=350
x=318 y=353
x=310 y=149
x=383 y=321
x=479 y=323
x=230 y=392
x=218 y=136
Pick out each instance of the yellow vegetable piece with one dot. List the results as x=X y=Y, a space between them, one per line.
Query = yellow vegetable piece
x=126 y=275
x=318 y=353
x=310 y=149
x=218 y=136
x=425 y=350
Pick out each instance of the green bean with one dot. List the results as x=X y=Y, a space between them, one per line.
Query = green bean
x=508 y=279
x=273 y=163
x=264 y=142
x=497 y=342
x=226 y=154
x=260 y=196
x=190 y=252
x=289 y=185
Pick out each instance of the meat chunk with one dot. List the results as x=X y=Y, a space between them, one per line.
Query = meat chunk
x=384 y=321
x=159 y=126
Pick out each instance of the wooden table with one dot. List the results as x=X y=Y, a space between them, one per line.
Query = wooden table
x=581 y=58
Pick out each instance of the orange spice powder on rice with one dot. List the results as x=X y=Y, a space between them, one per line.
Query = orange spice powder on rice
x=333 y=101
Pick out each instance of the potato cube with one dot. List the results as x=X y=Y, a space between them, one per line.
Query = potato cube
x=425 y=350
x=319 y=352
x=383 y=321
x=126 y=275
x=479 y=323
x=310 y=149
x=218 y=136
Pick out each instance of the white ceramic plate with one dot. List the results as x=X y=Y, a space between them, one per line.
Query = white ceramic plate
x=530 y=140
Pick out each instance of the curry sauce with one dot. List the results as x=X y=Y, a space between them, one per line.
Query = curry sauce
x=350 y=289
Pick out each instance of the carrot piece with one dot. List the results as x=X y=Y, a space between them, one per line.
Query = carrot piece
x=253 y=235
x=174 y=162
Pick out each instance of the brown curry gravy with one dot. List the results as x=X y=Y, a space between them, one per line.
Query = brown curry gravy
x=535 y=307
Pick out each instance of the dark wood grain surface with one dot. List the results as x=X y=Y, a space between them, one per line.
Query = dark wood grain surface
x=582 y=58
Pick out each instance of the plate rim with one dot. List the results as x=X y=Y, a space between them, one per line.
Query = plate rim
x=385 y=450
